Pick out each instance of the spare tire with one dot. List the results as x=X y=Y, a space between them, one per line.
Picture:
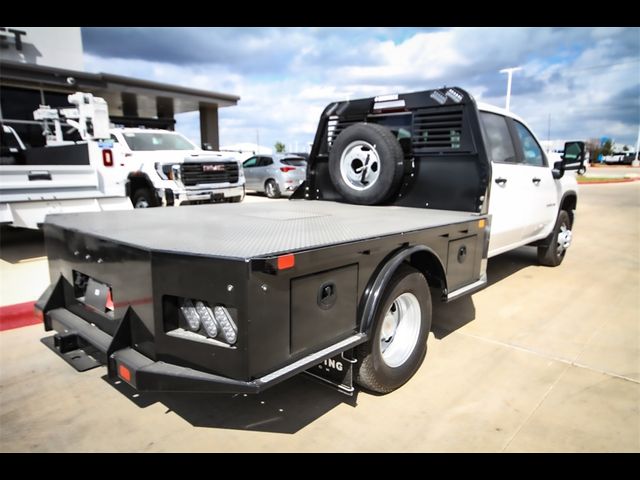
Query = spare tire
x=366 y=163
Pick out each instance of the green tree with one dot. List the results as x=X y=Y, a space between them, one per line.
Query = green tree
x=607 y=148
x=280 y=147
x=625 y=148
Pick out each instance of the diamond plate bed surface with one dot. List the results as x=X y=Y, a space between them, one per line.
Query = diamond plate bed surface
x=253 y=230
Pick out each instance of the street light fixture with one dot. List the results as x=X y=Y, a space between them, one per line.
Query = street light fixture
x=509 y=72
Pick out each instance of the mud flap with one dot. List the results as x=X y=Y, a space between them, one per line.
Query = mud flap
x=336 y=371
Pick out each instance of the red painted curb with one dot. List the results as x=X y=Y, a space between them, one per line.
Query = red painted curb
x=16 y=316
x=613 y=180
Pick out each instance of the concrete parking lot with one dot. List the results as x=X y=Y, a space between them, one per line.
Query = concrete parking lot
x=544 y=359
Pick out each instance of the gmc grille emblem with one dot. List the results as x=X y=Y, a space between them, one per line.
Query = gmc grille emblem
x=213 y=168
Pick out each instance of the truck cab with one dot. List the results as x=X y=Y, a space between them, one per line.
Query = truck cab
x=525 y=194
x=166 y=169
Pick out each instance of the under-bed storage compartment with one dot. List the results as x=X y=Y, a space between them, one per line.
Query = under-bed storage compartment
x=323 y=308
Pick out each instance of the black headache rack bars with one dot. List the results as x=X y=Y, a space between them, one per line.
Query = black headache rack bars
x=84 y=346
x=439 y=131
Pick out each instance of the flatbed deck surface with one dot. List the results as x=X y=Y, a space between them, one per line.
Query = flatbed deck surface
x=253 y=230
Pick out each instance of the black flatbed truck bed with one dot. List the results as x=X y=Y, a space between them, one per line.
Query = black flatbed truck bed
x=203 y=250
x=303 y=281
x=246 y=232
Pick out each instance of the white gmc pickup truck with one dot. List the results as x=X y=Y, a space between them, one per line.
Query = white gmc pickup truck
x=166 y=169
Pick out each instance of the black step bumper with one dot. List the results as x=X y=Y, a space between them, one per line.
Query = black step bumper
x=76 y=338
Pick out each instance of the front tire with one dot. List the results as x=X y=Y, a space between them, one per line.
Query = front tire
x=144 y=198
x=399 y=336
x=272 y=189
x=555 y=250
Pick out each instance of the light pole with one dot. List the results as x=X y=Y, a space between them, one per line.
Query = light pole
x=509 y=72
x=635 y=162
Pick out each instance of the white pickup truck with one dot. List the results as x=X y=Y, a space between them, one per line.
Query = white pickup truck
x=166 y=169
x=406 y=197
x=63 y=176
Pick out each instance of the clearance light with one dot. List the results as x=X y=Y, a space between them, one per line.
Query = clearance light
x=438 y=97
x=482 y=223
x=286 y=261
x=124 y=373
x=229 y=329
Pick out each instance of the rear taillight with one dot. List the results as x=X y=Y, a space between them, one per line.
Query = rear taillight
x=200 y=318
x=286 y=169
x=107 y=157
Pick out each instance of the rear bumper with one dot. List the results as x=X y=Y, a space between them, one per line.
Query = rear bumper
x=31 y=214
x=75 y=337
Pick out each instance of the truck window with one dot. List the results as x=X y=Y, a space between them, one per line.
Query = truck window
x=151 y=141
x=294 y=162
x=114 y=138
x=499 y=145
x=531 y=151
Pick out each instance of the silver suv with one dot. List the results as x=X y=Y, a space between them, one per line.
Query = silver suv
x=276 y=175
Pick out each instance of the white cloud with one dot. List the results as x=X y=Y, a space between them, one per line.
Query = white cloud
x=282 y=100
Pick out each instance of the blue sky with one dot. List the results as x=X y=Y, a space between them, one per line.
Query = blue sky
x=587 y=80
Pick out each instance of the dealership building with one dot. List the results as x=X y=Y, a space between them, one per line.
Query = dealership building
x=42 y=65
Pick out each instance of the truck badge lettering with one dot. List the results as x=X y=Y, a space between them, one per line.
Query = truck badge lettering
x=213 y=168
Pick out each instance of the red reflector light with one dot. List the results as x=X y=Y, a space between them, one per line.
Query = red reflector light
x=39 y=314
x=109 y=302
x=286 y=261
x=107 y=157
x=124 y=373
x=287 y=169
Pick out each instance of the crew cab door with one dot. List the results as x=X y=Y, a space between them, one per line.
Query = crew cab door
x=538 y=179
x=509 y=200
x=523 y=198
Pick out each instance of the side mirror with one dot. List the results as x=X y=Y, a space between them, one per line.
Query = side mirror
x=572 y=159
x=558 y=170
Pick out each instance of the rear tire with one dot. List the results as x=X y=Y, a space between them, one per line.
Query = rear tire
x=144 y=198
x=399 y=335
x=559 y=241
x=272 y=189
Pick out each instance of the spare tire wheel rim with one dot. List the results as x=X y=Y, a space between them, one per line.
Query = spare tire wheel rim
x=360 y=165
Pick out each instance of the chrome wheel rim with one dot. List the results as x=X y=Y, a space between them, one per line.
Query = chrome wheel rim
x=142 y=203
x=564 y=239
x=360 y=165
x=400 y=330
x=270 y=189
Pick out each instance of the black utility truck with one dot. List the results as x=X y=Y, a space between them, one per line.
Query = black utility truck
x=406 y=197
